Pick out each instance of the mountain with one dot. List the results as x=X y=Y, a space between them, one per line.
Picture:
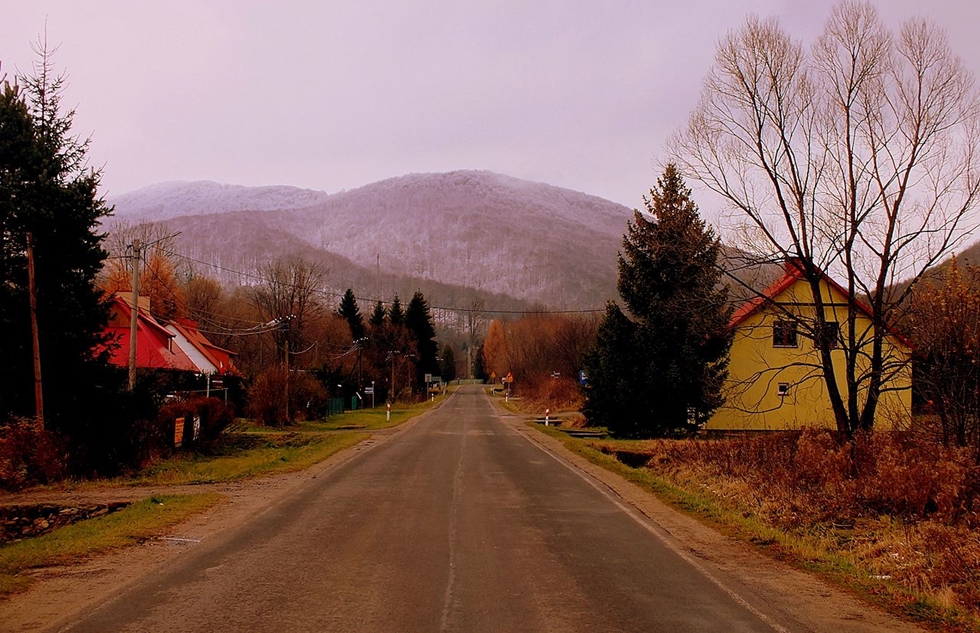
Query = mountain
x=502 y=236
x=168 y=200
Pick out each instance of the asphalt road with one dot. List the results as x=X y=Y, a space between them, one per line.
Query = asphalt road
x=460 y=523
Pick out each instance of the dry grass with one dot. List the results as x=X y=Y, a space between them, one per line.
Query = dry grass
x=558 y=394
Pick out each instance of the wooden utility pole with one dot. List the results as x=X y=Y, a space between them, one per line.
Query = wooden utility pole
x=285 y=366
x=134 y=309
x=32 y=292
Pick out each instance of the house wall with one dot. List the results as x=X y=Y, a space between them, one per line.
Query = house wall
x=758 y=368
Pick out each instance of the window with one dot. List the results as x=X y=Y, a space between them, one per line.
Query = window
x=784 y=334
x=830 y=333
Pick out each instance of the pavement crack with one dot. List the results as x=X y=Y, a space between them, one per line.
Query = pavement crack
x=447 y=601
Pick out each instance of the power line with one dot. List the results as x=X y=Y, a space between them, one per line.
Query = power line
x=388 y=303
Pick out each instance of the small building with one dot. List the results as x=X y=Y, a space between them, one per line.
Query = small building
x=775 y=377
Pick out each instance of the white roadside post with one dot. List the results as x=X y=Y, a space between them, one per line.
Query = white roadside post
x=388 y=413
x=547 y=417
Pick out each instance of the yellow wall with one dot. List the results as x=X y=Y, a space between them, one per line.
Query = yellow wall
x=757 y=368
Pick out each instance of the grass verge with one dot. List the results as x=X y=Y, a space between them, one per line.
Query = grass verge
x=74 y=543
x=810 y=552
x=258 y=455
x=257 y=451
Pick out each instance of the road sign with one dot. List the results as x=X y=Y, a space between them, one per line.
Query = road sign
x=369 y=391
x=178 y=432
x=509 y=378
x=428 y=378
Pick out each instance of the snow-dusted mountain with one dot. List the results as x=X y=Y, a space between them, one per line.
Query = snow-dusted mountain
x=168 y=200
x=465 y=229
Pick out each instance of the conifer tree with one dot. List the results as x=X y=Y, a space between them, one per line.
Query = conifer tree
x=352 y=314
x=448 y=364
x=378 y=315
x=47 y=191
x=396 y=314
x=420 y=326
x=678 y=322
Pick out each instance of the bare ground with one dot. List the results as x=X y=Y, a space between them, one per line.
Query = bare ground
x=63 y=591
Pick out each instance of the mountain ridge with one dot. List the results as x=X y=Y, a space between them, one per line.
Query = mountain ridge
x=490 y=232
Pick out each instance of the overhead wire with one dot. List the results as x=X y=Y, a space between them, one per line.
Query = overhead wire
x=329 y=293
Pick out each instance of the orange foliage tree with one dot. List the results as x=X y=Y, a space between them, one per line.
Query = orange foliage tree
x=945 y=329
x=496 y=358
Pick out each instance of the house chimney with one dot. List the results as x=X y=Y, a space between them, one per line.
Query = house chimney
x=143 y=302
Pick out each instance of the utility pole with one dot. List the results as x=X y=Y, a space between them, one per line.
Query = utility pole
x=285 y=362
x=32 y=292
x=134 y=309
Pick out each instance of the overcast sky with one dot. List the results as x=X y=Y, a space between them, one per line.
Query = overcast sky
x=333 y=95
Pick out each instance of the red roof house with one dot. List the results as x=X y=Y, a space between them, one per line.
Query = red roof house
x=207 y=357
x=155 y=347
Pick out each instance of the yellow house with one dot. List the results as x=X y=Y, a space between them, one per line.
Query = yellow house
x=775 y=378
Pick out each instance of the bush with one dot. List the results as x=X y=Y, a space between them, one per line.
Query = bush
x=267 y=398
x=810 y=476
x=215 y=417
x=29 y=455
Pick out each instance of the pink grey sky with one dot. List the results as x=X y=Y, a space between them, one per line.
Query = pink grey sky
x=337 y=94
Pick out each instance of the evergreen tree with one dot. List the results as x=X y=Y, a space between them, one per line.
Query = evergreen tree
x=396 y=314
x=448 y=371
x=617 y=394
x=378 y=315
x=352 y=314
x=423 y=333
x=47 y=191
x=670 y=282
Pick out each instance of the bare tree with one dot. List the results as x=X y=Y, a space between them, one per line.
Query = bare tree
x=857 y=158
x=289 y=297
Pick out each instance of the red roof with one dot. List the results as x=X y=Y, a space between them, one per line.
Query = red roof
x=217 y=356
x=154 y=349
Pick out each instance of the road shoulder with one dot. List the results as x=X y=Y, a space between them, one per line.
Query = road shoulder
x=805 y=602
x=61 y=592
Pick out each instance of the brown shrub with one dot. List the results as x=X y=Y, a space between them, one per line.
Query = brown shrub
x=215 y=417
x=29 y=455
x=267 y=398
x=557 y=394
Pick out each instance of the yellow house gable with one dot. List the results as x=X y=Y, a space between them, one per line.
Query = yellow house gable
x=775 y=377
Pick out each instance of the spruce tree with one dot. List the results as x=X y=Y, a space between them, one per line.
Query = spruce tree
x=352 y=314
x=378 y=315
x=421 y=329
x=47 y=191
x=617 y=395
x=396 y=314
x=448 y=363
x=678 y=314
